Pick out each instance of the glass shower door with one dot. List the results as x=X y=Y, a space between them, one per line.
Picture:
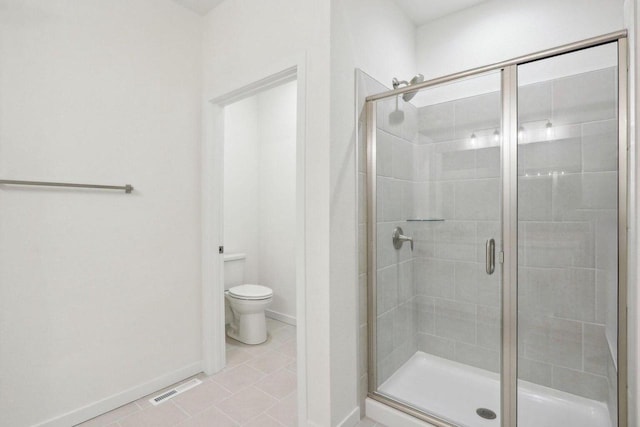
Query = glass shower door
x=567 y=237
x=435 y=277
x=450 y=315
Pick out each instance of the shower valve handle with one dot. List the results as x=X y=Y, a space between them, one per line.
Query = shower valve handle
x=399 y=238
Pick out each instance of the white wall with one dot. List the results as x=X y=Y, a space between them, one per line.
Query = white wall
x=498 y=30
x=375 y=36
x=378 y=38
x=245 y=41
x=241 y=165
x=277 y=196
x=91 y=281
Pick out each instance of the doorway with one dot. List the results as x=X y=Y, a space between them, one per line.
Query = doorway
x=253 y=212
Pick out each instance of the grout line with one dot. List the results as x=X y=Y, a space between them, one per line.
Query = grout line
x=275 y=404
x=279 y=399
x=582 y=334
x=226 y=414
x=180 y=408
x=278 y=422
x=212 y=405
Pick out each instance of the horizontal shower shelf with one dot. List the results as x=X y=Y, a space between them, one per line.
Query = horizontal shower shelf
x=425 y=220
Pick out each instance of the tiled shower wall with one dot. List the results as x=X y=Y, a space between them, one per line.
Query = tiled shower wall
x=567 y=247
x=396 y=139
x=397 y=135
x=568 y=236
x=458 y=186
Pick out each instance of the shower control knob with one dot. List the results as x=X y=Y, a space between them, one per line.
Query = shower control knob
x=399 y=238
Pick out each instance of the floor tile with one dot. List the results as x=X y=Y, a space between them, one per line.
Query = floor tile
x=164 y=415
x=209 y=418
x=254 y=350
x=286 y=411
x=284 y=333
x=201 y=397
x=279 y=384
x=262 y=420
x=289 y=348
x=246 y=404
x=235 y=379
x=270 y=362
x=237 y=356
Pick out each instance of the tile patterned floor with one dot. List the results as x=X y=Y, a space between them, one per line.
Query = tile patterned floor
x=256 y=389
x=367 y=422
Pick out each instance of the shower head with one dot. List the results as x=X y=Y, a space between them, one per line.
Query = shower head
x=397 y=116
x=418 y=78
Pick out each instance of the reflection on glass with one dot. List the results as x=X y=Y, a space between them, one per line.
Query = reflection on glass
x=438 y=312
x=567 y=262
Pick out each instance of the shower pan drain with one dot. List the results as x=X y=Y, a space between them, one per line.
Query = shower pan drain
x=486 y=413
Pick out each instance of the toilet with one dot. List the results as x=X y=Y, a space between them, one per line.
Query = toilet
x=247 y=303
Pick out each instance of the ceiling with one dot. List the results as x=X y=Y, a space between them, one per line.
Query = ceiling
x=419 y=11
x=201 y=7
x=423 y=11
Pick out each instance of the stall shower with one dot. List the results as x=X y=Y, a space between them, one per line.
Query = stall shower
x=494 y=211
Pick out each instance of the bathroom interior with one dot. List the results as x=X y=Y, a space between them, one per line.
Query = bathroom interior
x=349 y=213
x=260 y=205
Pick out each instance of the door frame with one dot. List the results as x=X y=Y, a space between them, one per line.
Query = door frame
x=509 y=147
x=212 y=187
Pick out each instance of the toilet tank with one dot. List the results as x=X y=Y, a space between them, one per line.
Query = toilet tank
x=234 y=269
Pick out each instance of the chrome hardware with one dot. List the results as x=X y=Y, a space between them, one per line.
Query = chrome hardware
x=126 y=188
x=491 y=256
x=485 y=413
x=399 y=238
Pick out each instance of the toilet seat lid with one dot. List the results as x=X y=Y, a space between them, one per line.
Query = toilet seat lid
x=251 y=292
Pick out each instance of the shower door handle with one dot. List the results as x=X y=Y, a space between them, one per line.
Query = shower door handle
x=491 y=256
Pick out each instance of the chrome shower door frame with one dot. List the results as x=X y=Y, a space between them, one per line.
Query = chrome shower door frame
x=509 y=213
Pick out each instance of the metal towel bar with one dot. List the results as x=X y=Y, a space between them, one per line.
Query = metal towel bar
x=127 y=188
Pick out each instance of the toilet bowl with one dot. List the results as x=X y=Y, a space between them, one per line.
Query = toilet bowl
x=247 y=303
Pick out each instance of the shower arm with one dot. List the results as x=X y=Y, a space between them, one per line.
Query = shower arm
x=396 y=83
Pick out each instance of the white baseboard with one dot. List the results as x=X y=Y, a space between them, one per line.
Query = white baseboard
x=352 y=419
x=285 y=318
x=115 y=401
x=381 y=413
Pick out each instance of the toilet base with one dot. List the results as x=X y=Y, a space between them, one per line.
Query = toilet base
x=248 y=328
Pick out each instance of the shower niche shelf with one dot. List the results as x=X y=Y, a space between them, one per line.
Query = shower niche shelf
x=425 y=220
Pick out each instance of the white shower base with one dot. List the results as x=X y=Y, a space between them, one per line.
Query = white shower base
x=454 y=391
